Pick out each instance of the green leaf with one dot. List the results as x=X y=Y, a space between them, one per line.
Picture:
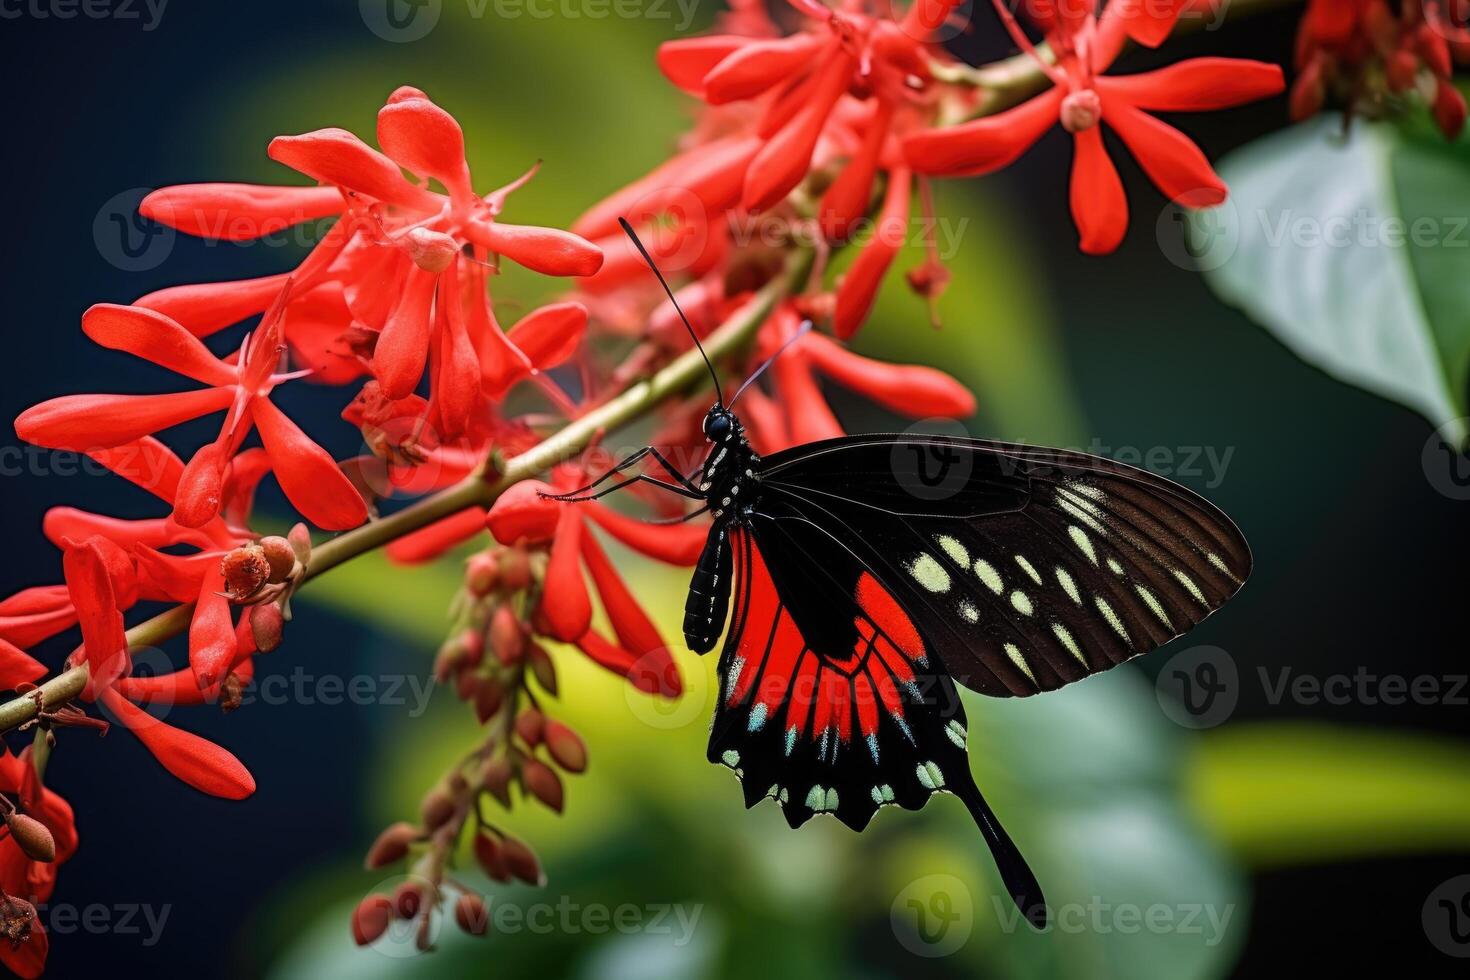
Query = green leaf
x=1298 y=793
x=1352 y=251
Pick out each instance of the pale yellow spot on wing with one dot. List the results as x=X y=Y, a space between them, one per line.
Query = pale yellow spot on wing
x=1082 y=541
x=1154 y=604
x=1027 y=567
x=968 y=612
x=1014 y=652
x=929 y=573
x=988 y=575
x=952 y=547
x=1070 y=586
x=1113 y=566
x=1065 y=636
x=1189 y=584
x=1112 y=618
x=1022 y=602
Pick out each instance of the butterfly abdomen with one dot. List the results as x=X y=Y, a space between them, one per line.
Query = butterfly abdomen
x=709 y=592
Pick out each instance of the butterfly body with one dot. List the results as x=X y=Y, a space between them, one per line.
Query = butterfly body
x=728 y=482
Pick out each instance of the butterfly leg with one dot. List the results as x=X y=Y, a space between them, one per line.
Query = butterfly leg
x=640 y=478
x=632 y=460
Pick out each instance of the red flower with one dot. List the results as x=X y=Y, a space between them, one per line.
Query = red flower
x=1081 y=98
x=523 y=514
x=24 y=880
x=309 y=477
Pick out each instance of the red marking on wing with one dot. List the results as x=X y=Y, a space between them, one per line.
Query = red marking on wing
x=867 y=704
x=760 y=611
x=887 y=691
x=879 y=605
x=780 y=662
x=803 y=690
x=832 y=708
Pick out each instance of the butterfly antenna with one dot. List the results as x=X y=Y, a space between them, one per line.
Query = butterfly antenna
x=628 y=230
x=801 y=331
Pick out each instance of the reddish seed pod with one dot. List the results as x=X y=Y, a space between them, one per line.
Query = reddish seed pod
x=466 y=684
x=472 y=642
x=529 y=725
x=507 y=637
x=300 y=539
x=391 y=846
x=566 y=747
x=245 y=570
x=491 y=858
x=522 y=861
x=1401 y=69
x=281 y=556
x=446 y=661
x=1449 y=110
x=472 y=914
x=437 y=809
x=543 y=783
x=542 y=666
x=370 y=919
x=31 y=836
x=408 y=898
x=267 y=625
x=480 y=574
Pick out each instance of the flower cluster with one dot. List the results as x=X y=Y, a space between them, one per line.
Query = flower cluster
x=1372 y=56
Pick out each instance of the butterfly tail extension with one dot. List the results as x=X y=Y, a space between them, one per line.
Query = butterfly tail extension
x=1015 y=873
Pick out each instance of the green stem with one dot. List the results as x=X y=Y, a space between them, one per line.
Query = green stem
x=683 y=373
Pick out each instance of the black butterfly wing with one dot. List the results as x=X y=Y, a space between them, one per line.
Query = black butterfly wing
x=829 y=701
x=1022 y=568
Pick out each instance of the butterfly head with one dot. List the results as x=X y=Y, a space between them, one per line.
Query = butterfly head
x=721 y=425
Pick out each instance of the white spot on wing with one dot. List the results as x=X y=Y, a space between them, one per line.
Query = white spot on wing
x=1189 y=584
x=956 y=551
x=1014 y=652
x=989 y=575
x=1028 y=568
x=1070 y=586
x=1112 y=618
x=1082 y=541
x=1065 y=636
x=929 y=573
x=1022 y=602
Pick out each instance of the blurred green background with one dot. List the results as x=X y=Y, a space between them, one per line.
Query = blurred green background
x=1291 y=833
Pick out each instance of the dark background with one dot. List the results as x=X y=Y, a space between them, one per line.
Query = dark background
x=1358 y=557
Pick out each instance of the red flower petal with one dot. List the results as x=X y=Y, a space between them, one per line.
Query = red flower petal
x=201 y=488
x=423 y=138
x=62 y=523
x=403 y=346
x=207 y=307
x=179 y=687
x=239 y=212
x=457 y=377
x=17 y=666
x=787 y=156
x=308 y=475
x=335 y=156
x=551 y=334
x=1099 y=206
x=677 y=544
x=861 y=283
x=609 y=655
x=635 y=631
x=549 y=251
x=211 y=632
x=984 y=145
x=713 y=173
x=1171 y=160
x=145 y=462
x=565 y=604
x=1150 y=22
x=908 y=389
x=36 y=614
x=759 y=65
x=154 y=337
x=314 y=326
x=196 y=761
x=428 y=543
x=522 y=514
x=685 y=62
x=174 y=577
x=1197 y=85
x=847 y=199
x=810 y=418
x=85 y=423
x=104 y=644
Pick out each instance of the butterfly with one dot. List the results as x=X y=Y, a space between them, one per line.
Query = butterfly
x=862 y=578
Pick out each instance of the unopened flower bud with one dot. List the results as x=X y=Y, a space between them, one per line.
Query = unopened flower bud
x=495 y=778
x=437 y=809
x=515 y=569
x=1081 y=110
x=391 y=846
x=529 y=725
x=480 y=574
x=431 y=251
x=1401 y=69
x=466 y=683
x=300 y=539
x=281 y=555
x=31 y=836
x=489 y=696
x=491 y=858
x=507 y=637
x=542 y=667
x=543 y=783
x=472 y=914
x=408 y=898
x=266 y=625
x=245 y=570
x=522 y=861
x=370 y=919
x=472 y=643
x=566 y=747
x=1449 y=110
